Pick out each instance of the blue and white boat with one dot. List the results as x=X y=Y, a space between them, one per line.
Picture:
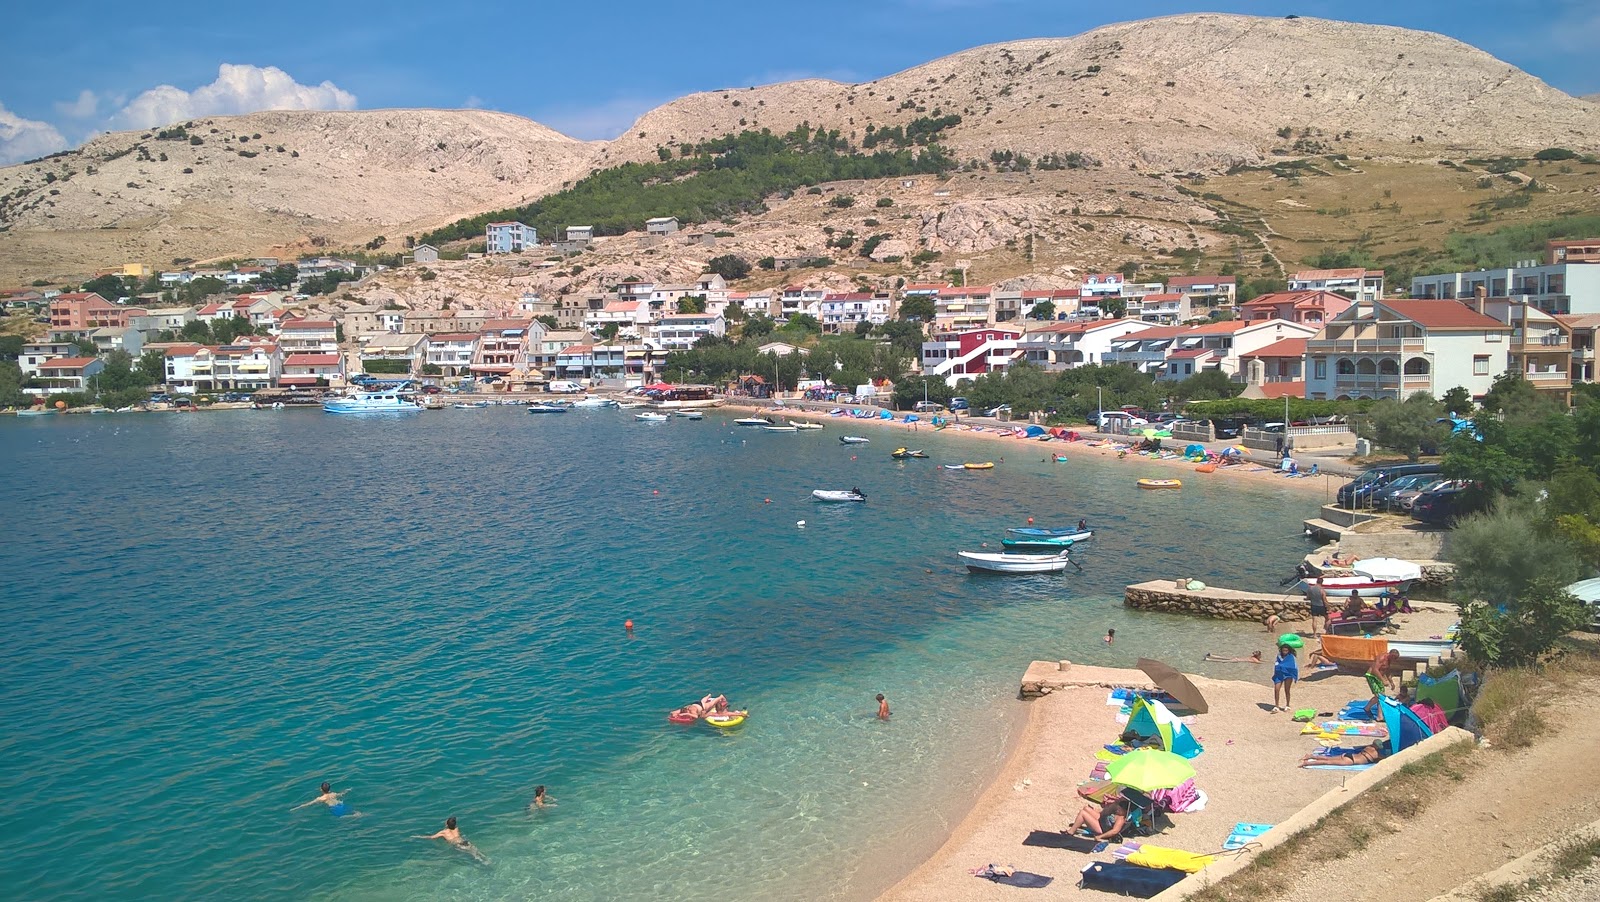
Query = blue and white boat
x=1050 y=535
x=589 y=402
x=387 y=400
x=550 y=407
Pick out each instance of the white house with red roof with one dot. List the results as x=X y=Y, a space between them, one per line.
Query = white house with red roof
x=311 y=370
x=504 y=348
x=795 y=300
x=1220 y=345
x=1012 y=304
x=1279 y=362
x=1102 y=285
x=1393 y=348
x=630 y=316
x=187 y=365
x=1064 y=345
x=1360 y=284
x=966 y=307
x=1165 y=307
x=1312 y=308
x=954 y=356
x=65 y=374
x=247 y=365
x=308 y=336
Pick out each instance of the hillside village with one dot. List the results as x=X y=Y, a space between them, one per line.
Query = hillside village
x=1332 y=334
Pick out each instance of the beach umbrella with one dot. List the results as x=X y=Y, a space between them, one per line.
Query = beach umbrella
x=1149 y=769
x=1387 y=568
x=1175 y=684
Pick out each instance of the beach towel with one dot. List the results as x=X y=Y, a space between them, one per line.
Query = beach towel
x=1177 y=799
x=1025 y=879
x=1127 y=879
x=1345 y=728
x=1149 y=856
x=1355 y=710
x=1337 y=766
x=1245 y=834
x=1051 y=839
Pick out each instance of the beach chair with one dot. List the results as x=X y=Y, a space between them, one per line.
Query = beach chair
x=1142 y=814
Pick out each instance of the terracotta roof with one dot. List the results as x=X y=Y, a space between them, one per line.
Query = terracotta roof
x=1316 y=275
x=1187 y=353
x=1052 y=294
x=1289 y=347
x=953 y=292
x=849 y=296
x=1445 y=315
x=319 y=324
x=67 y=363
x=1276 y=390
x=576 y=349
x=311 y=360
x=1161 y=297
x=1191 y=281
x=925 y=286
x=184 y=350
x=1227 y=327
x=500 y=325
x=1580 y=320
x=79 y=296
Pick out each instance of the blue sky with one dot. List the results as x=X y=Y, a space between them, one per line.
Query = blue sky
x=588 y=69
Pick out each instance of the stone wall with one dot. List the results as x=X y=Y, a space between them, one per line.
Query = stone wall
x=1222 y=604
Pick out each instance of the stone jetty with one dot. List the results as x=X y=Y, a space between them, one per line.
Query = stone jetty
x=1174 y=597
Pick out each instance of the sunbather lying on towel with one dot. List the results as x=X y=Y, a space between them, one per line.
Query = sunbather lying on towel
x=1369 y=755
x=1255 y=658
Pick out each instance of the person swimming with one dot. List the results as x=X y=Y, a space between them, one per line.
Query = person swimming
x=1255 y=658
x=540 y=799
x=337 y=806
x=452 y=835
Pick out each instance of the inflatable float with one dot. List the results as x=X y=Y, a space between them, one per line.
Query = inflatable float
x=680 y=717
x=730 y=719
x=1160 y=484
x=986 y=465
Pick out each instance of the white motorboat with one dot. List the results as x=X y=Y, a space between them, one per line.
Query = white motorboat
x=689 y=414
x=832 y=496
x=388 y=400
x=550 y=407
x=978 y=561
x=470 y=405
x=589 y=402
x=807 y=427
x=752 y=421
x=651 y=416
x=782 y=427
x=853 y=440
x=1338 y=588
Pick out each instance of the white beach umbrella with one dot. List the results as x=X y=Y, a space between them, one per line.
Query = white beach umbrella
x=1387 y=568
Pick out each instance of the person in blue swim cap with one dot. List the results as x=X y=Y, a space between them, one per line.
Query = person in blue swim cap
x=337 y=806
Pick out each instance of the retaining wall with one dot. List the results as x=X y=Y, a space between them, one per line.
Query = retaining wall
x=1223 y=604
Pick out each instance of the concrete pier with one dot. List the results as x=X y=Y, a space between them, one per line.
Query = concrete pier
x=1224 y=604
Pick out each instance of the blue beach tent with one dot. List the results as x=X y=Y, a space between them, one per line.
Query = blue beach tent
x=1033 y=431
x=886 y=415
x=1195 y=452
x=1406 y=729
x=1148 y=717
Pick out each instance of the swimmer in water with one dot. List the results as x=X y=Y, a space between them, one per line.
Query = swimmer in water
x=1255 y=658
x=541 y=800
x=452 y=835
x=337 y=806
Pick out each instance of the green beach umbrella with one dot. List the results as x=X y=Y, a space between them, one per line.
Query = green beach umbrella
x=1147 y=769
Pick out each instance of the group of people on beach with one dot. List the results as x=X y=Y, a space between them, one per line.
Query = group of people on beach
x=451 y=833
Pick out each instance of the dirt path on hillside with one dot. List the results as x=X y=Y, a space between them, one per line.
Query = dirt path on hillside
x=1511 y=802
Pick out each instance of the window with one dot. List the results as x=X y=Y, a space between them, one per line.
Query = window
x=1480 y=365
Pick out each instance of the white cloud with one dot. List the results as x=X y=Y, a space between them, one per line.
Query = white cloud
x=85 y=106
x=473 y=102
x=26 y=139
x=238 y=89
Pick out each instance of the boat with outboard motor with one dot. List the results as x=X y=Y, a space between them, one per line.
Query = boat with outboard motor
x=1075 y=533
x=651 y=416
x=906 y=453
x=834 y=496
x=591 y=402
x=550 y=407
x=853 y=440
x=752 y=421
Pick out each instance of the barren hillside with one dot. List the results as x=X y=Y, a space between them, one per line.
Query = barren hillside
x=1178 y=93
x=250 y=184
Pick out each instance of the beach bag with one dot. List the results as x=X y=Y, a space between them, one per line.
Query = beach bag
x=1128 y=879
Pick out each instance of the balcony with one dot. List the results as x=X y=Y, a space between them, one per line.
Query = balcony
x=1367 y=346
x=1546 y=379
x=1135 y=357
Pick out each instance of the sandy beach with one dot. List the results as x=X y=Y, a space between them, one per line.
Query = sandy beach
x=1248 y=770
x=1315 y=488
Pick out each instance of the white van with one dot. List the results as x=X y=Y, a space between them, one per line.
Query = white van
x=562 y=387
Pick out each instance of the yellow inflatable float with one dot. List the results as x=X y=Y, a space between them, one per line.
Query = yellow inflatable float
x=1160 y=484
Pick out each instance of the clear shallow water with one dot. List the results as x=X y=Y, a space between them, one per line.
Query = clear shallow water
x=207 y=615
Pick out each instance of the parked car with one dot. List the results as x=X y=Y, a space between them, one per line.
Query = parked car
x=1400 y=502
x=927 y=407
x=1362 y=486
x=1120 y=418
x=1378 y=497
x=959 y=404
x=1440 y=507
x=1229 y=427
x=161 y=398
x=996 y=411
x=431 y=390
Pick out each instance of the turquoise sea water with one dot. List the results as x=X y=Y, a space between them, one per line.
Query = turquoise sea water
x=207 y=615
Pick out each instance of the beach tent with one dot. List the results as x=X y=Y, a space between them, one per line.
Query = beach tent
x=1406 y=729
x=886 y=415
x=1149 y=717
x=1445 y=691
x=1033 y=431
x=1195 y=452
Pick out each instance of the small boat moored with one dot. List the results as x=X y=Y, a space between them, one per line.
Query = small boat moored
x=550 y=407
x=689 y=414
x=834 y=496
x=590 y=402
x=651 y=417
x=1039 y=532
x=978 y=561
x=752 y=421
x=803 y=426
x=780 y=427
x=1340 y=587
x=853 y=440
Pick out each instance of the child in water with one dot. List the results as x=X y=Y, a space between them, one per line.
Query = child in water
x=1111 y=637
x=883 y=707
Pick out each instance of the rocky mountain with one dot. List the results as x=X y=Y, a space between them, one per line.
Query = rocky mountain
x=272 y=181
x=1177 y=95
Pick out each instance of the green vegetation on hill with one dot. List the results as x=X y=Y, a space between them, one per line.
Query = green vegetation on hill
x=714 y=179
x=1505 y=246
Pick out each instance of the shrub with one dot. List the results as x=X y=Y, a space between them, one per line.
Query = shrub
x=842 y=201
x=1552 y=154
x=885 y=202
